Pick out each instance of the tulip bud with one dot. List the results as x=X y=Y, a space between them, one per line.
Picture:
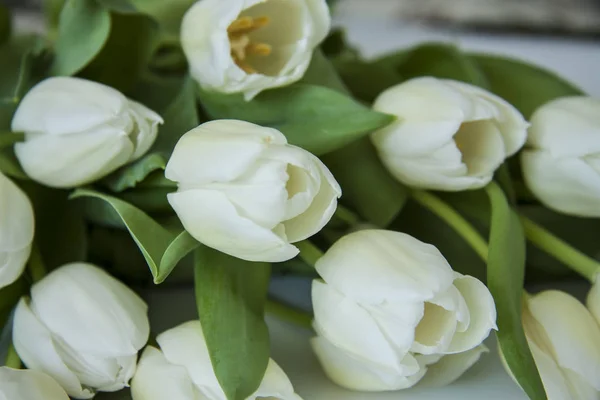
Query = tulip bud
x=182 y=370
x=83 y=328
x=245 y=191
x=564 y=340
x=241 y=46
x=593 y=299
x=26 y=384
x=561 y=164
x=16 y=231
x=448 y=135
x=389 y=306
x=78 y=131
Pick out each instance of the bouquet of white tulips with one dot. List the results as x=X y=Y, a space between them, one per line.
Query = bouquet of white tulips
x=225 y=142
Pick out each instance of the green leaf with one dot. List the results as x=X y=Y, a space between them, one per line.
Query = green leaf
x=5 y=24
x=366 y=185
x=321 y=72
x=151 y=200
x=231 y=295
x=156 y=91
x=506 y=267
x=525 y=86
x=10 y=138
x=169 y=14
x=120 y=6
x=440 y=60
x=126 y=52
x=130 y=175
x=366 y=80
x=154 y=241
x=313 y=117
x=10 y=166
x=84 y=28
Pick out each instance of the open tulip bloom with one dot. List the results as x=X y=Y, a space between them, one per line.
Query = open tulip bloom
x=225 y=143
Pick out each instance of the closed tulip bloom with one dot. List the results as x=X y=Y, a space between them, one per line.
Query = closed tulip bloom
x=16 y=231
x=83 y=328
x=448 y=135
x=561 y=164
x=247 y=46
x=389 y=306
x=564 y=339
x=181 y=369
x=245 y=191
x=26 y=384
x=593 y=300
x=78 y=131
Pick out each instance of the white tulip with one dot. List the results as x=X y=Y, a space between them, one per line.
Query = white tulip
x=26 y=384
x=561 y=164
x=82 y=327
x=245 y=191
x=448 y=135
x=182 y=370
x=593 y=299
x=16 y=231
x=564 y=339
x=247 y=46
x=389 y=306
x=78 y=131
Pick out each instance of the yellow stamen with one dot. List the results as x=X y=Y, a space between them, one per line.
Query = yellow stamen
x=241 y=44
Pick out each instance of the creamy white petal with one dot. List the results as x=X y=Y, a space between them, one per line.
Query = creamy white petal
x=567 y=185
x=16 y=217
x=593 y=299
x=350 y=327
x=351 y=372
x=91 y=311
x=376 y=265
x=555 y=382
x=12 y=265
x=146 y=129
x=219 y=151
x=157 y=379
x=567 y=127
x=275 y=384
x=67 y=105
x=482 y=147
x=210 y=218
x=27 y=384
x=451 y=367
x=34 y=344
x=482 y=314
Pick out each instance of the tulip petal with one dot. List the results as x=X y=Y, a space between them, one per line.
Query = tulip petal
x=555 y=381
x=593 y=299
x=12 y=265
x=107 y=319
x=185 y=346
x=373 y=266
x=482 y=318
x=36 y=348
x=218 y=151
x=351 y=372
x=16 y=217
x=568 y=185
x=275 y=384
x=212 y=220
x=67 y=105
x=571 y=332
x=451 y=367
x=145 y=130
x=28 y=384
x=567 y=127
x=482 y=148
x=157 y=379
x=350 y=327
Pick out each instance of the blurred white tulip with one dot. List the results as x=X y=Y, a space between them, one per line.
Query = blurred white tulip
x=389 y=306
x=561 y=164
x=247 y=46
x=448 y=135
x=564 y=339
x=245 y=191
x=182 y=370
x=27 y=384
x=78 y=131
x=593 y=299
x=82 y=327
x=16 y=231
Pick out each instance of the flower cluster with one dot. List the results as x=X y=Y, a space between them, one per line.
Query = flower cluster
x=255 y=141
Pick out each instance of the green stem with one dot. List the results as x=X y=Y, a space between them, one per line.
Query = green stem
x=309 y=252
x=12 y=358
x=289 y=314
x=37 y=269
x=559 y=249
x=454 y=219
x=347 y=215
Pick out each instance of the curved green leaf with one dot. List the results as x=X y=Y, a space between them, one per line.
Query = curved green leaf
x=316 y=118
x=231 y=295
x=525 y=86
x=84 y=28
x=161 y=248
x=505 y=274
x=5 y=24
x=9 y=138
x=130 y=175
